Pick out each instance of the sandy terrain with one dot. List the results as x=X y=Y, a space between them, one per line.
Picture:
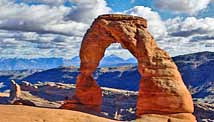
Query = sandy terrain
x=19 y=113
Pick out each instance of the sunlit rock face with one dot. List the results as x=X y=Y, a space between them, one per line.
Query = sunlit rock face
x=161 y=90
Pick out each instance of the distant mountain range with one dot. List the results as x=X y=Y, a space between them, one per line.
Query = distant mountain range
x=49 y=63
x=196 y=69
x=22 y=64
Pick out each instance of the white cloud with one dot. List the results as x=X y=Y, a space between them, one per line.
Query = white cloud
x=155 y=24
x=190 y=26
x=183 y=6
x=51 y=29
x=39 y=18
x=87 y=10
x=181 y=45
x=32 y=31
x=48 y=2
x=34 y=45
x=188 y=35
x=45 y=19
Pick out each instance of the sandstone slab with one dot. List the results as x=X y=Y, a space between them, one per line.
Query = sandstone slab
x=18 y=113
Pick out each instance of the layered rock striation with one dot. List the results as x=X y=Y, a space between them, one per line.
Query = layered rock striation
x=161 y=90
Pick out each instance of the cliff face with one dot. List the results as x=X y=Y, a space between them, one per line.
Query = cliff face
x=196 y=69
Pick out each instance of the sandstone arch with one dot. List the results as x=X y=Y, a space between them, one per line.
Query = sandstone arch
x=161 y=91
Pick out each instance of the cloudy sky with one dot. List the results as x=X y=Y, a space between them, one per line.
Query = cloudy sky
x=54 y=28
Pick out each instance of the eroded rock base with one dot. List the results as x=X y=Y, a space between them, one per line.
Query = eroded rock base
x=181 y=117
x=73 y=105
x=88 y=95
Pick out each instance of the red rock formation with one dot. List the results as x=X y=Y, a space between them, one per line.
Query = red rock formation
x=162 y=90
x=26 y=86
x=15 y=91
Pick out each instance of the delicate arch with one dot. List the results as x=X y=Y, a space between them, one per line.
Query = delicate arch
x=161 y=87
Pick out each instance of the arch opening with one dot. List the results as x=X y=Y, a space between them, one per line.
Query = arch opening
x=121 y=66
x=116 y=55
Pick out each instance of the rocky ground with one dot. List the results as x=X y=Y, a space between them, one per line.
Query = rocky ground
x=117 y=104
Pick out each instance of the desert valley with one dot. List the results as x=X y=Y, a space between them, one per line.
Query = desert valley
x=49 y=88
